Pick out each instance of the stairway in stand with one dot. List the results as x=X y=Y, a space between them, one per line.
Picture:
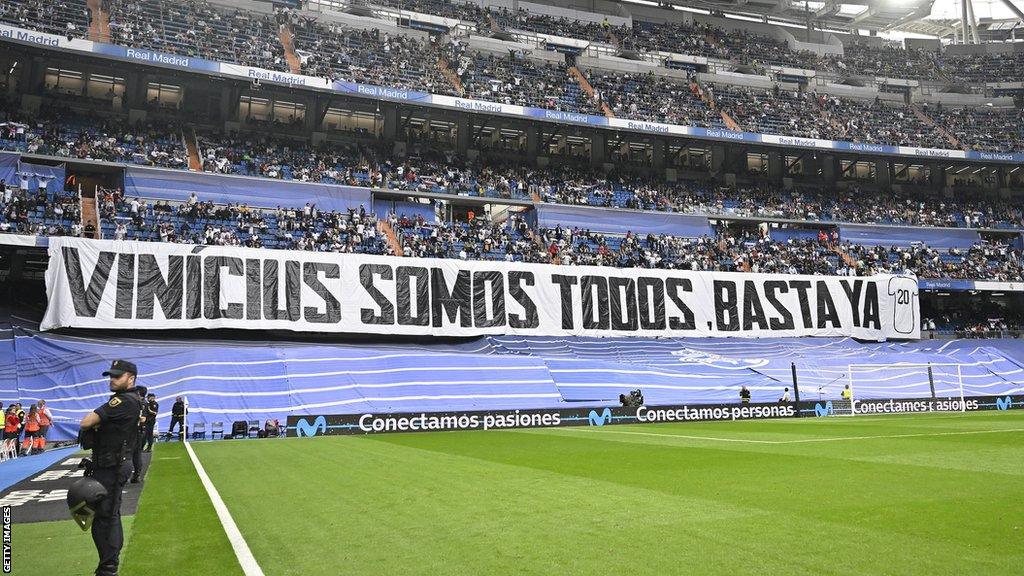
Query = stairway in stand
x=384 y=227
x=284 y=33
x=99 y=25
x=928 y=120
x=90 y=213
x=195 y=163
x=588 y=89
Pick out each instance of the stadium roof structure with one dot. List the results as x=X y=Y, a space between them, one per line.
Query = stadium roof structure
x=937 y=18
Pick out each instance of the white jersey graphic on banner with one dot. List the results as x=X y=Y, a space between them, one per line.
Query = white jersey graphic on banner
x=903 y=289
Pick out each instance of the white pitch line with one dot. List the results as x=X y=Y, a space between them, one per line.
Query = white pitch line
x=917 y=435
x=609 y=431
x=245 y=558
x=803 y=441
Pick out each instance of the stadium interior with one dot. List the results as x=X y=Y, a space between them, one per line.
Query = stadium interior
x=740 y=139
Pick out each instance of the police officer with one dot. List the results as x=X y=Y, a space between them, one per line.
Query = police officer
x=150 y=410
x=137 y=452
x=178 y=412
x=112 y=430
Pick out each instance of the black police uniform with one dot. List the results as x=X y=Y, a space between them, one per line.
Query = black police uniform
x=151 y=410
x=137 y=451
x=113 y=443
x=177 y=419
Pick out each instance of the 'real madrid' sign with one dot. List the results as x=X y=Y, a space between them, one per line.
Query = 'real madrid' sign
x=141 y=285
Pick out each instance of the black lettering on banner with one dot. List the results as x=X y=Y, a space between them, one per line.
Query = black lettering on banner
x=403 y=291
x=201 y=286
x=253 y=289
x=87 y=300
x=449 y=304
x=770 y=288
x=387 y=309
x=651 y=299
x=497 y=282
x=672 y=287
x=515 y=289
x=753 y=311
x=193 y=287
x=332 y=308
x=212 y=287
x=272 y=288
x=853 y=295
x=125 y=285
x=595 y=306
x=616 y=287
x=152 y=284
x=827 y=312
x=801 y=287
x=565 y=283
x=872 y=316
x=726 y=304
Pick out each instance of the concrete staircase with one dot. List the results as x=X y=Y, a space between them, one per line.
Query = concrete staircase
x=836 y=124
x=99 y=26
x=845 y=256
x=581 y=79
x=384 y=227
x=710 y=101
x=928 y=120
x=495 y=27
x=90 y=213
x=729 y=122
x=284 y=33
x=538 y=241
x=447 y=72
x=613 y=38
x=195 y=162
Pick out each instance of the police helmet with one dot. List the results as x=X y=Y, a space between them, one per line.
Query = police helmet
x=84 y=497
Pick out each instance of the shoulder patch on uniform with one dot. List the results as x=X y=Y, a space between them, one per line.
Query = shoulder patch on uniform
x=114 y=402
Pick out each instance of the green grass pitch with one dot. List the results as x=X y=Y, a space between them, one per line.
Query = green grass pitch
x=915 y=495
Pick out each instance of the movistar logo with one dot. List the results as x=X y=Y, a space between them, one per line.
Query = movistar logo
x=303 y=428
x=601 y=419
x=1004 y=403
x=823 y=410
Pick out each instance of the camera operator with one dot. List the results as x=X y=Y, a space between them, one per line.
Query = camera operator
x=634 y=399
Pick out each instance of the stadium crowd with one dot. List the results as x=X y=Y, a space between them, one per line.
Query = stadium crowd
x=370 y=56
x=204 y=29
x=356 y=230
x=196 y=222
x=57 y=131
x=197 y=28
x=61 y=133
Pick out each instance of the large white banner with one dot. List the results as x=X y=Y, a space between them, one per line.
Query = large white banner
x=140 y=285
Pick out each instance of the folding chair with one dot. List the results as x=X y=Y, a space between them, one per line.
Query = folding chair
x=8 y=450
x=254 y=428
x=217 y=429
x=199 y=431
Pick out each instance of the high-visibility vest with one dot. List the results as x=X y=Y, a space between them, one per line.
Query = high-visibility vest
x=44 y=418
x=32 y=424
